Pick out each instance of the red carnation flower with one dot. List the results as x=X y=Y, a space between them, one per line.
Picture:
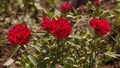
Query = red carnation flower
x=101 y=26
x=19 y=35
x=46 y=24
x=59 y=28
x=65 y=8
x=96 y=2
x=93 y=22
x=63 y=30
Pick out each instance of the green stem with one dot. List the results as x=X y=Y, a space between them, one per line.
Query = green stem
x=16 y=50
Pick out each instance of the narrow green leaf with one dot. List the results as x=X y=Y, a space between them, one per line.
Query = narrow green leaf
x=36 y=47
x=32 y=60
x=112 y=54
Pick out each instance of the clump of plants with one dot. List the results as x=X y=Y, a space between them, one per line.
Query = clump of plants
x=66 y=37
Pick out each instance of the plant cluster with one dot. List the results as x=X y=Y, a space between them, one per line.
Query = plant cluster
x=67 y=37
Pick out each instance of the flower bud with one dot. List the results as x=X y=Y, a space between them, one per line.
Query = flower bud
x=53 y=48
x=79 y=9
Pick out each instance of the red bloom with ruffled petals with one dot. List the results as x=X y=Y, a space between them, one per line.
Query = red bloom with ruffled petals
x=101 y=27
x=19 y=35
x=46 y=24
x=59 y=28
x=66 y=8
x=63 y=30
